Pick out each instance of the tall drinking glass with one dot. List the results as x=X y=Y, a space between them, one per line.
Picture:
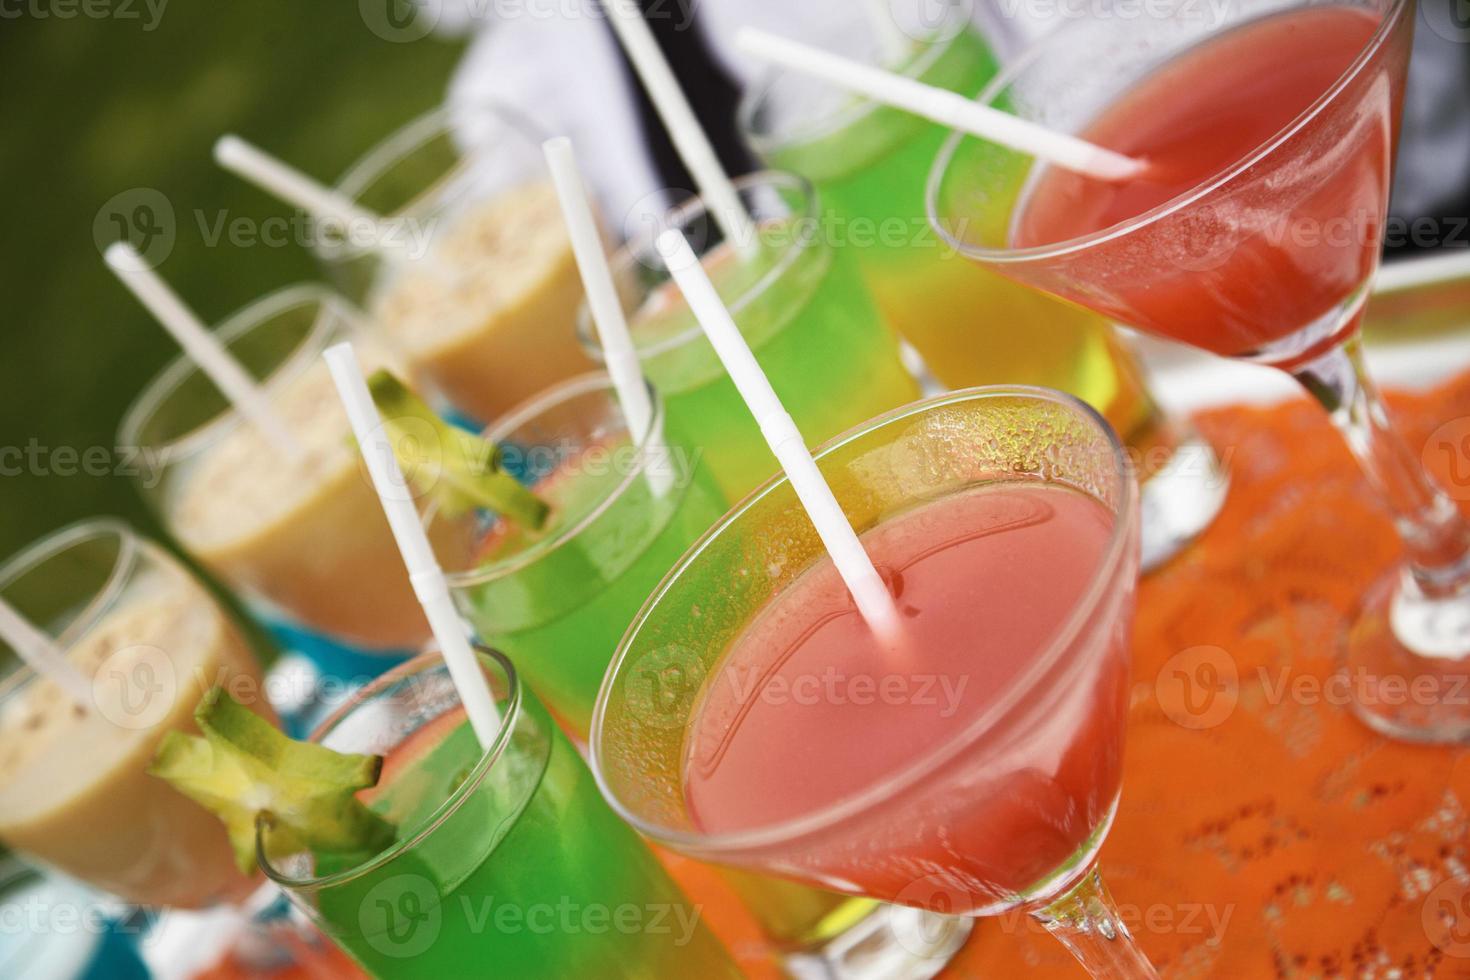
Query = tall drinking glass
x=626 y=506
x=803 y=308
x=1269 y=130
x=471 y=280
x=852 y=775
x=507 y=863
x=303 y=539
x=75 y=794
x=972 y=327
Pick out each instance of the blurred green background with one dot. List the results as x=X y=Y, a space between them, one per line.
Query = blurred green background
x=96 y=106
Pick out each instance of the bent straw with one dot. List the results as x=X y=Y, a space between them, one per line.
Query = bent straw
x=413 y=544
x=276 y=177
x=838 y=537
x=42 y=655
x=892 y=42
x=689 y=138
x=201 y=346
x=942 y=106
x=602 y=298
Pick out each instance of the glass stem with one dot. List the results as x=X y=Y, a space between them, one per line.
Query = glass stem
x=1436 y=536
x=1086 y=921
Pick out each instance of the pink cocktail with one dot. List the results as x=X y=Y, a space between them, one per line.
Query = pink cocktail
x=1268 y=128
x=972 y=764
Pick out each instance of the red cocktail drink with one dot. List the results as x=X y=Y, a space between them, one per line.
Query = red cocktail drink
x=982 y=578
x=1268 y=131
x=969 y=765
x=1246 y=271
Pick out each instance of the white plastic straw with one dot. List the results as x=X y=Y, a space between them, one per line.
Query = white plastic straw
x=43 y=656
x=942 y=106
x=893 y=44
x=280 y=179
x=607 y=309
x=693 y=146
x=201 y=346
x=413 y=543
x=840 y=540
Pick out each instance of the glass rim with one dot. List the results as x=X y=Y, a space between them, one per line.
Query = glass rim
x=404 y=142
x=54 y=545
x=527 y=412
x=761 y=93
x=510 y=713
x=925 y=766
x=1392 y=16
x=164 y=385
x=643 y=251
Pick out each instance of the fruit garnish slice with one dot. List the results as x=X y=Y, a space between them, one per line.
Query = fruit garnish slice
x=464 y=472
x=243 y=768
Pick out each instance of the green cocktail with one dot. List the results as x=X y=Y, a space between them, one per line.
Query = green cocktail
x=798 y=298
x=624 y=507
x=506 y=862
x=972 y=326
x=869 y=163
x=624 y=510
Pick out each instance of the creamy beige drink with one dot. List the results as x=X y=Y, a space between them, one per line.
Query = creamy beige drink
x=74 y=791
x=488 y=318
x=307 y=535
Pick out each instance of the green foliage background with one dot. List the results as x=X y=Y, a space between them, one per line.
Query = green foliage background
x=91 y=106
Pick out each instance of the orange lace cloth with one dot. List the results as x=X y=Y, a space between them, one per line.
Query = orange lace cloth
x=1264 y=832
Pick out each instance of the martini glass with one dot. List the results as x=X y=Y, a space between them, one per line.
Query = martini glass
x=1009 y=806
x=1267 y=256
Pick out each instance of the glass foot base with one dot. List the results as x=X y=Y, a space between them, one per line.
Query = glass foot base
x=891 y=943
x=1407 y=660
x=1180 y=499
